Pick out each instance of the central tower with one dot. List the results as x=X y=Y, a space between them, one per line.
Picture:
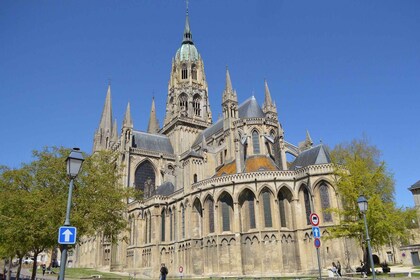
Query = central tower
x=187 y=106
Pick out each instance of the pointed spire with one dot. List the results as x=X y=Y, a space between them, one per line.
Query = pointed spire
x=127 y=118
x=228 y=86
x=269 y=107
x=187 y=31
x=267 y=100
x=308 y=139
x=106 y=118
x=229 y=93
x=153 y=126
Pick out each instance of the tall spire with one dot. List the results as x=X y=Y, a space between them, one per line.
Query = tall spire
x=127 y=118
x=104 y=133
x=153 y=126
x=269 y=108
x=106 y=118
x=228 y=86
x=187 y=31
x=267 y=99
x=229 y=93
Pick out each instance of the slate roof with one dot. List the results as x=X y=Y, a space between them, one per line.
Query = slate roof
x=415 y=186
x=152 y=142
x=165 y=189
x=192 y=153
x=312 y=156
x=248 y=109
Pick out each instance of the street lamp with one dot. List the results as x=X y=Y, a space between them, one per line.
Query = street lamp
x=363 y=206
x=74 y=163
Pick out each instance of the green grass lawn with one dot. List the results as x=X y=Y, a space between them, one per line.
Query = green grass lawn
x=78 y=273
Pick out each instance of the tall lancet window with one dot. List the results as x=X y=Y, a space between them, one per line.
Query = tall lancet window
x=184 y=72
x=162 y=225
x=183 y=102
x=196 y=105
x=307 y=202
x=194 y=72
x=325 y=202
x=256 y=142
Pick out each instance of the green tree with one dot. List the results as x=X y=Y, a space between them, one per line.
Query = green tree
x=359 y=170
x=34 y=201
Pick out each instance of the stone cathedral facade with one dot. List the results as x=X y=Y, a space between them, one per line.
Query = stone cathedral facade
x=220 y=198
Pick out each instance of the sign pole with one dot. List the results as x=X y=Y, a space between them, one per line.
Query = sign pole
x=319 y=263
x=317 y=242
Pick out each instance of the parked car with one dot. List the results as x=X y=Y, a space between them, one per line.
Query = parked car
x=28 y=260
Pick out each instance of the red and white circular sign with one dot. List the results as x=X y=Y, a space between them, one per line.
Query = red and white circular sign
x=181 y=269
x=314 y=219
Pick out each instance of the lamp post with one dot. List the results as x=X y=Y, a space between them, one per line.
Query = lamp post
x=74 y=163
x=363 y=206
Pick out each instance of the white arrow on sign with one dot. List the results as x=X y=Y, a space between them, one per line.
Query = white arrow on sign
x=316 y=232
x=67 y=234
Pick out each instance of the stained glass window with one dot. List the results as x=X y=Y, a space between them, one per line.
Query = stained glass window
x=256 y=142
x=307 y=204
x=145 y=178
x=325 y=202
x=210 y=207
x=183 y=221
x=227 y=205
x=283 y=220
x=170 y=225
x=267 y=209
x=163 y=225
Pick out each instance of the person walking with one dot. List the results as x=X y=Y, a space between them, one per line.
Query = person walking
x=163 y=272
x=339 y=268
x=44 y=267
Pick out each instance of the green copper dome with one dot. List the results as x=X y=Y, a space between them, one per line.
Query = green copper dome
x=187 y=52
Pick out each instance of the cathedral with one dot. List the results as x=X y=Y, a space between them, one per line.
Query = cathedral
x=219 y=198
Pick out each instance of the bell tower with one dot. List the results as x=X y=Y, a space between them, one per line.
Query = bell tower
x=187 y=106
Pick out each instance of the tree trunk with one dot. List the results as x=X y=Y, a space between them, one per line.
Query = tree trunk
x=19 y=266
x=9 y=272
x=33 y=276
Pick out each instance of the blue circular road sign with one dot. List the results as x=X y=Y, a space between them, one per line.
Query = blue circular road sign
x=317 y=242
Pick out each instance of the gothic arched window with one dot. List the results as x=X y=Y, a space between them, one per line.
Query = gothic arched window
x=197 y=217
x=184 y=72
x=175 y=224
x=285 y=207
x=256 y=142
x=183 y=221
x=195 y=178
x=162 y=225
x=145 y=178
x=247 y=203
x=226 y=204
x=266 y=197
x=210 y=214
x=171 y=225
x=325 y=202
x=194 y=72
x=183 y=102
x=197 y=105
x=306 y=199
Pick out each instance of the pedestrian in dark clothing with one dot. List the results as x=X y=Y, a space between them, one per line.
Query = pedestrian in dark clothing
x=163 y=272
x=339 y=268
x=44 y=267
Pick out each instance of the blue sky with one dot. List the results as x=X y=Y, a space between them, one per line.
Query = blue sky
x=341 y=69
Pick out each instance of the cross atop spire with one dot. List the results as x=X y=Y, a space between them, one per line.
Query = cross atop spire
x=187 y=32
